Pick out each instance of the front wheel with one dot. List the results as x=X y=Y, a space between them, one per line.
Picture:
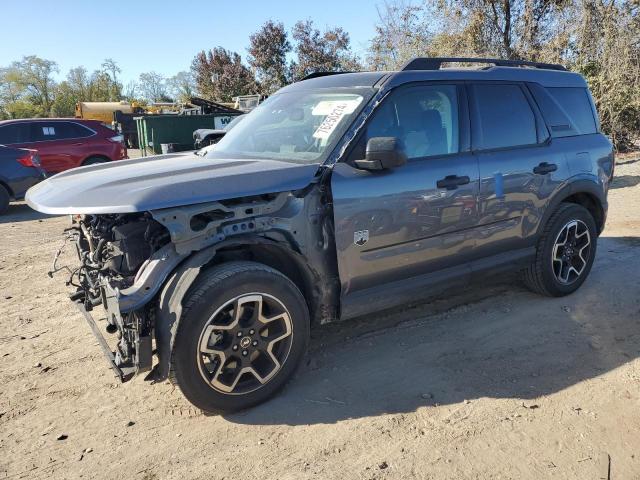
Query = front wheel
x=243 y=331
x=565 y=253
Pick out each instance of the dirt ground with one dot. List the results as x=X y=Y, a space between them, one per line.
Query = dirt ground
x=496 y=383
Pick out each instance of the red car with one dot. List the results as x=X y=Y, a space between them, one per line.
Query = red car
x=64 y=143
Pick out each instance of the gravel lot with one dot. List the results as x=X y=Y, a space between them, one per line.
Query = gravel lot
x=494 y=383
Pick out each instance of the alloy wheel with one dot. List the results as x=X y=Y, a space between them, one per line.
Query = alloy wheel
x=571 y=251
x=245 y=343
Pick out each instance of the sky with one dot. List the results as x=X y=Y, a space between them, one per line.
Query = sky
x=160 y=35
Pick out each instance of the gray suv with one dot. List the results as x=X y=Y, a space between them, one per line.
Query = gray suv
x=341 y=195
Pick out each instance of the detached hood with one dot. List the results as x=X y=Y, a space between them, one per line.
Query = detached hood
x=163 y=181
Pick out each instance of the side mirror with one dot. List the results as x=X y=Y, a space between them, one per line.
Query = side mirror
x=382 y=153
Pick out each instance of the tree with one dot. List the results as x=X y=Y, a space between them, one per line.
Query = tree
x=101 y=88
x=181 y=86
x=79 y=82
x=402 y=33
x=112 y=69
x=37 y=76
x=79 y=87
x=152 y=86
x=599 y=38
x=11 y=92
x=130 y=92
x=220 y=75
x=501 y=28
x=329 y=51
x=608 y=55
x=268 y=56
x=28 y=87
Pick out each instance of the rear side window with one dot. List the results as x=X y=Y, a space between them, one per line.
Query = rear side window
x=15 y=133
x=72 y=130
x=576 y=106
x=44 y=131
x=505 y=116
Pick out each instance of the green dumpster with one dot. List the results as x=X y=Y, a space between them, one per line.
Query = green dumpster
x=155 y=130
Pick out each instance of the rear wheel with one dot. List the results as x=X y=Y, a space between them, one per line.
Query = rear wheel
x=565 y=254
x=5 y=198
x=242 y=333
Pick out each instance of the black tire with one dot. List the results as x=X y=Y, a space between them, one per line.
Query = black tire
x=94 y=161
x=542 y=275
x=212 y=292
x=5 y=198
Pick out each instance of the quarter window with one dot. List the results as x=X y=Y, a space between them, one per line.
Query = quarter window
x=576 y=105
x=505 y=116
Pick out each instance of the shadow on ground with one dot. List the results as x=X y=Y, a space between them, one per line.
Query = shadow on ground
x=624 y=181
x=21 y=212
x=500 y=341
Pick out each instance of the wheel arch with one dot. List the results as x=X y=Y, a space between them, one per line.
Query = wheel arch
x=9 y=190
x=586 y=193
x=97 y=155
x=276 y=255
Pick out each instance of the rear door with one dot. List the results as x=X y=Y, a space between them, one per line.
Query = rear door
x=414 y=219
x=519 y=166
x=61 y=145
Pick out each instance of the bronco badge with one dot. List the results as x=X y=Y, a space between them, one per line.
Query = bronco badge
x=360 y=237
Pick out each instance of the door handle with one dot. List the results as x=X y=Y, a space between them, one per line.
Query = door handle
x=545 y=168
x=451 y=182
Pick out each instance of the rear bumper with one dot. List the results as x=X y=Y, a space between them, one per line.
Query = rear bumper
x=20 y=185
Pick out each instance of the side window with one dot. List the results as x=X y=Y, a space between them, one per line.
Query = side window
x=554 y=116
x=15 y=133
x=423 y=118
x=71 y=130
x=576 y=105
x=505 y=116
x=43 y=131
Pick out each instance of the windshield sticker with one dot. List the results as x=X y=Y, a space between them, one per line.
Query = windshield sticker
x=334 y=112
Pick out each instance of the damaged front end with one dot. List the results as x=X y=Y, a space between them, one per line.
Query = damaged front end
x=128 y=263
x=119 y=258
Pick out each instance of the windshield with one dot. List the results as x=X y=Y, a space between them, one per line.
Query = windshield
x=299 y=126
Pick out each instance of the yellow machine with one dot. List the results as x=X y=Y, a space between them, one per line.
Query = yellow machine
x=103 y=111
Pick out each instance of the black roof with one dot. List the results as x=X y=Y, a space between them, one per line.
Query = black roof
x=435 y=63
x=429 y=69
x=338 y=80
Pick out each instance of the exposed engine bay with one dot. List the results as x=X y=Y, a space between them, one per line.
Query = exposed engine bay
x=112 y=249
x=126 y=261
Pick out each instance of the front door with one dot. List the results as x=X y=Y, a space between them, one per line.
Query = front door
x=415 y=219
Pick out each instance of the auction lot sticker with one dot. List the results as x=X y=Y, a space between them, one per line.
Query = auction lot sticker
x=335 y=111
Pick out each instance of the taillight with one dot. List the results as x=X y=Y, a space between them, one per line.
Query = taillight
x=117 y=139
x=29 y=160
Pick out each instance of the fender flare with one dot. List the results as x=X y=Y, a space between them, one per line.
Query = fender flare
x=582 y=185
x=169 y=303
x=169 y=309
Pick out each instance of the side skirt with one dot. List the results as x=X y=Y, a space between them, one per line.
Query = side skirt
x=430 y=285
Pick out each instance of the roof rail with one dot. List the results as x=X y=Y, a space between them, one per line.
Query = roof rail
x=426 y=63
